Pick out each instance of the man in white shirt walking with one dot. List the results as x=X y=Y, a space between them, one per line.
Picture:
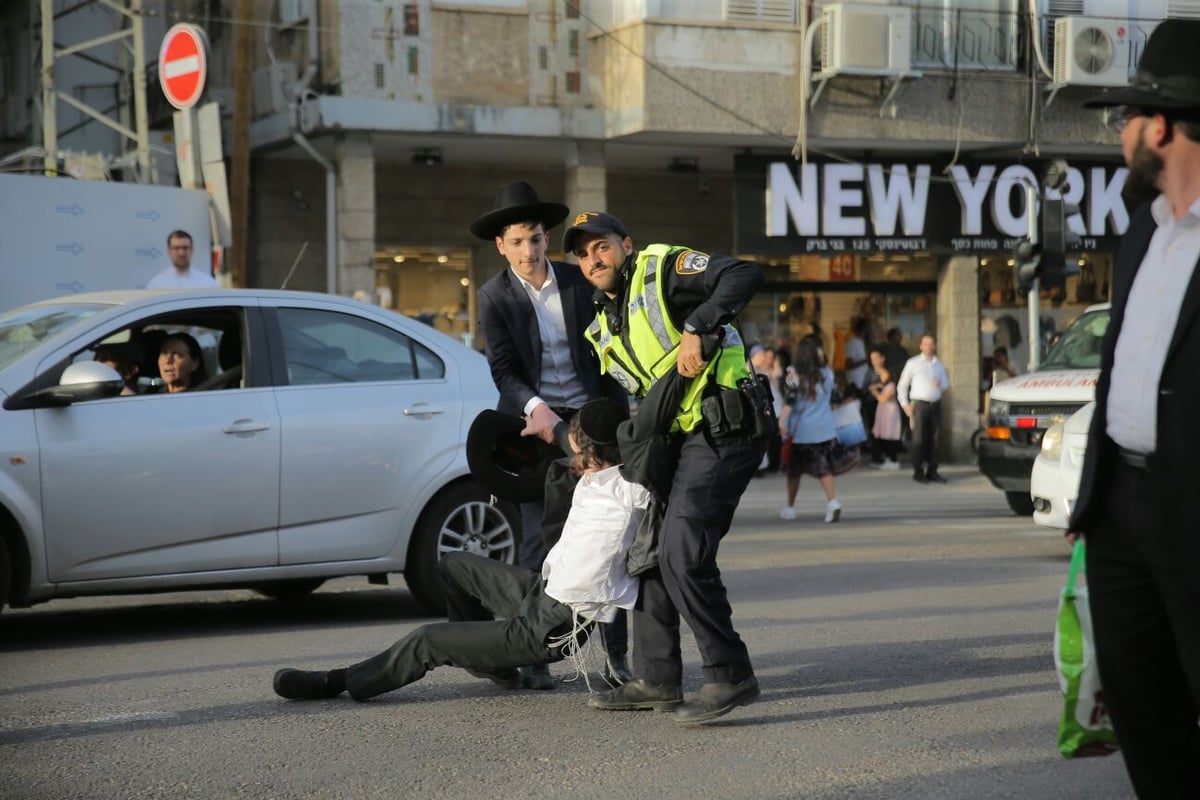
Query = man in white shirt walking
x=920 y=388
x=180 y=274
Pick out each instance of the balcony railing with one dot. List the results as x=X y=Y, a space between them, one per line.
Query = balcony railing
x=965 y=39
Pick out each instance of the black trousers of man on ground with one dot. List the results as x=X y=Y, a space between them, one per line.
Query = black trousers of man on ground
x=477 y=591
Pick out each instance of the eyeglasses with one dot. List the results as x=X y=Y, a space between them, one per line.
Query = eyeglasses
x=1120 y=116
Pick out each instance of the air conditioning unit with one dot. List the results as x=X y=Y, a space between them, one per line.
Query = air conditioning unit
x=272 y=87
x=1091 y=52
x=866 y=39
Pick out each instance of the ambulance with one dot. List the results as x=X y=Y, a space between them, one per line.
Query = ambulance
x=1022 y=408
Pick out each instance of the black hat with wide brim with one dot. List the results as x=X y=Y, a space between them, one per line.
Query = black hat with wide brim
x=1168 y=75
x=510 y=466
x=517 y=202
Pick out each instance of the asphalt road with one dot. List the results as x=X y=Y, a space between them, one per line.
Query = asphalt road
x=904 y=652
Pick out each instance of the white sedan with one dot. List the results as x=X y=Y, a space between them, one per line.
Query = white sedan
x=1054 y=484
x=327 y=440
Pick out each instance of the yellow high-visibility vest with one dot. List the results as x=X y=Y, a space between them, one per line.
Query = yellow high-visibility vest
x=651 y=341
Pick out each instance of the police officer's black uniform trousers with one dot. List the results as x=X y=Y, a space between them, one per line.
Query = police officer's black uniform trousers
x=709 y=481
x=477 y=588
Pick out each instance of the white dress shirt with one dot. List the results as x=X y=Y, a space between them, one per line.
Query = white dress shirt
x=586 y=567
x=560 y=384
x=922 y=379
x=170 y=278
x=1150 y=317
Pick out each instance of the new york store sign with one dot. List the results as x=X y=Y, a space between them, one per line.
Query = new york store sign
x=893 y=206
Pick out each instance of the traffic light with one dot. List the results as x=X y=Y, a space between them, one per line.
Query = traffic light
x=1027 y=257
x=1057 y=238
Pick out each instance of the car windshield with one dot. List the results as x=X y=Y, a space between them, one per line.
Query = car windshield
x=1079 y=346
x=23 y=329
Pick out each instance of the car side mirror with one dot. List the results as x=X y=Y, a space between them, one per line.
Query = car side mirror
x=83 y=380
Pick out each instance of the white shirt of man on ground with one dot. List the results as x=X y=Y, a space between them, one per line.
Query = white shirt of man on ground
x=180 y=274
x=586 y=568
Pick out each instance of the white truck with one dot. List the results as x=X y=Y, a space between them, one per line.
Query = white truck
x=60 y=236
x=1022 y=408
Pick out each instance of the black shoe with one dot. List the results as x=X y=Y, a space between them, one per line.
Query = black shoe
x=716 y=700
x=919 y=477
x=296 y=684
x=934 y=477
x=616 y=671
x=504 y=678
x=637 y=695
x=537 y=677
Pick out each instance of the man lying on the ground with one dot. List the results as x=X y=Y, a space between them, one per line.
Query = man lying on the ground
x=543 y=616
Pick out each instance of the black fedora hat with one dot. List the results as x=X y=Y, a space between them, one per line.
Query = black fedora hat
x=507 y=464
x=517 y=202
x=1168 y=76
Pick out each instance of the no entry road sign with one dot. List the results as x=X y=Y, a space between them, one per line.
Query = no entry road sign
x=183 y=65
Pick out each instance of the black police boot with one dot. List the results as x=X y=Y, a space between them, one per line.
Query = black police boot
x=637 y=695
x=716 y=700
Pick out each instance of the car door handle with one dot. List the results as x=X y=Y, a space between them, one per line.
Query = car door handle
x=245 y=426
x=422 y=410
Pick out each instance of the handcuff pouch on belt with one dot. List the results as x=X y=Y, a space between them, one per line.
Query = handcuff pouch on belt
x=747 y=411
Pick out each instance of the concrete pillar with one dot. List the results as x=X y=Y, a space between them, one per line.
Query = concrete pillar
x=958 y=347
x=586 y=178
x=355 y=157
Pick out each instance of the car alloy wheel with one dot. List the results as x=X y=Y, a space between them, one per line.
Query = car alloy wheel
x=459 y=520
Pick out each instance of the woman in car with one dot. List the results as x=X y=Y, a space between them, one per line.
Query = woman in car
x=181 y=363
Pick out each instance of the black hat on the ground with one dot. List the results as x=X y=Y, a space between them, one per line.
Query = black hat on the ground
x=1168 y=76
x=592 y=222
x=507 y=464
x=517 y=202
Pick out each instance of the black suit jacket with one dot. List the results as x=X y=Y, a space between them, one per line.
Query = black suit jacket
x=513 y=342
x=1178 y=426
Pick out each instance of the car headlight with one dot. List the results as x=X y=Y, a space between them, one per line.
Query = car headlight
x=997 y=409
x=1052 y=442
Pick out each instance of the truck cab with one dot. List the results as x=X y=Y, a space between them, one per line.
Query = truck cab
x=1022 y=408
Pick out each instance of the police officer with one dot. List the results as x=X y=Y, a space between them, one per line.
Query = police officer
x=660 y=309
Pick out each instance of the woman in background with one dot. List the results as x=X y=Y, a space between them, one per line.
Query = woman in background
x=807 y=421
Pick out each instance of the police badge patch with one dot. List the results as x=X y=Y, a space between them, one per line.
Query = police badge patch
x=690 y=262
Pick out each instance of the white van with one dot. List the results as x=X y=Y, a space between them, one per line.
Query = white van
x=1022 y=408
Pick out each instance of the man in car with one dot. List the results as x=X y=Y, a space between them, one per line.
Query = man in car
x=1139 y=473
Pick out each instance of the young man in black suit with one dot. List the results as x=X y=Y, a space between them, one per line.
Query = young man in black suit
x=532 y=317
x=1139 y=473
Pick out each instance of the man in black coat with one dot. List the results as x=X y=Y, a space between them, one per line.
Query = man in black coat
x=532 y=317
x=1139 y=473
